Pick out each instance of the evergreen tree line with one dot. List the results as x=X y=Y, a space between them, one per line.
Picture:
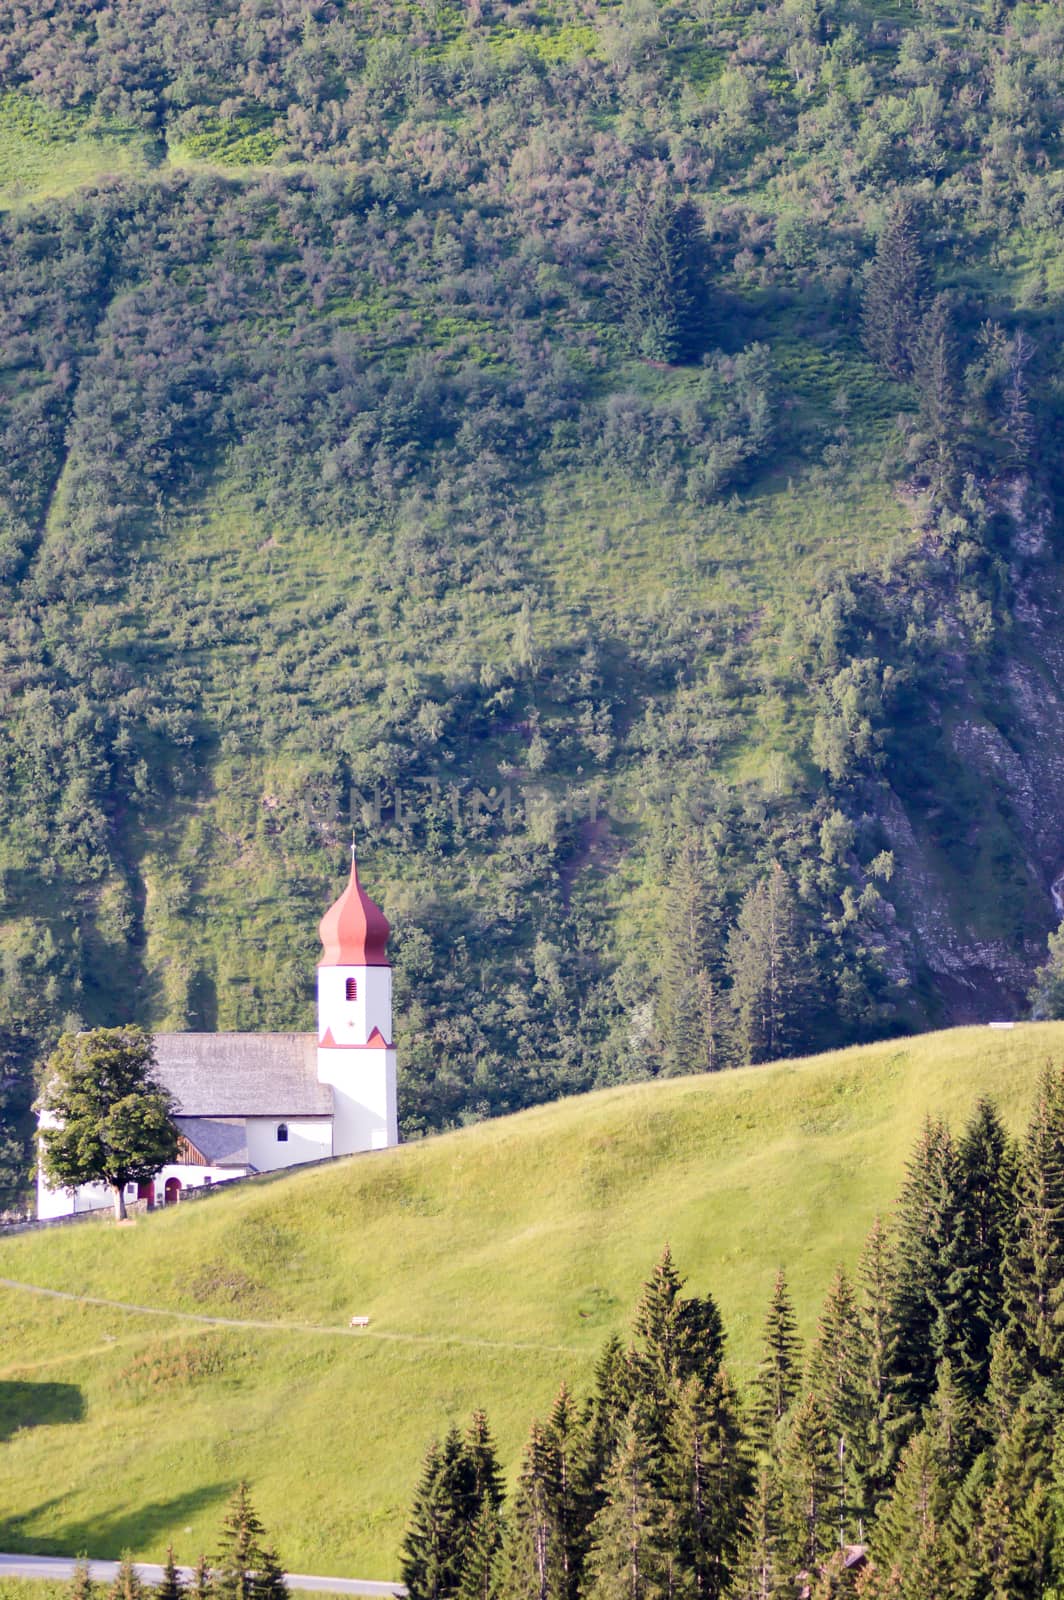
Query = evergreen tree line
x=245 y=1568
x=916 y=1451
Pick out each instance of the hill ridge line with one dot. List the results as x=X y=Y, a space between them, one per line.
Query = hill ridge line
x=290 y=1327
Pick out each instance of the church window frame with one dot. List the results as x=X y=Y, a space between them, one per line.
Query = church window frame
x=351 y=989
x=282 y=1133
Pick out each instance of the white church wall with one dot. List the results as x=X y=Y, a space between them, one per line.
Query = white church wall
x=97 y=1196
x=364 y=1098
x=309 y=1139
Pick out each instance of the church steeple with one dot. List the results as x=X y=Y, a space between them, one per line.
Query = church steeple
x=354 y=931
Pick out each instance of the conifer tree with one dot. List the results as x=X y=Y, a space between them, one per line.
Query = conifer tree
x=241 y=1551
x=444 y=1511
x=690 y=1008
x=628 y=1558
x=269 y=1581
x=681 y=1338
x=535 y=1556
x=1034 y=1269
x=480 y=1448
x=768 y=970
x=779 y=1372
x=937 y=378
x=81 y=1585
x=707 y=1478
x=482 y=1569
x=575 y=1502
x=202 y=1584
x=908 y=1541
x=127 y=1584
x=172 y=1587
x=607 y=1412
x=836 y=1377
x=759 y=1573
x=895 y=293
x=809 y=1489
x=880 y=1361
x=926 y=1312
x=1010 y=1541
x=986 y=1176
x=661 y=288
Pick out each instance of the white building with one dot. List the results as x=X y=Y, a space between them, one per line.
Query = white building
x=252 y=1102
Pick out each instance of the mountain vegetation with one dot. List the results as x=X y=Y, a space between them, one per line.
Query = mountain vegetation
x=493 y=1263
x=603 y=451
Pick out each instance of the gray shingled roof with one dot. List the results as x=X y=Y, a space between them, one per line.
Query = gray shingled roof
x=222 y=1140
x=243 y=1074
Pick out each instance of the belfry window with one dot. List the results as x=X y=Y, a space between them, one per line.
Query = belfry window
x=352 y=988
x=282 y=1133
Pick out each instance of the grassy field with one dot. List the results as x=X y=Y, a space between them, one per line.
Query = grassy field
x=493 y=1263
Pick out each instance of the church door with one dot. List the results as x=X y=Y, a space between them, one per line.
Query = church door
x=146 y=1191
x=172 y=1191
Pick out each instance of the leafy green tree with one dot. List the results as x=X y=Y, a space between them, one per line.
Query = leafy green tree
x=661 y=287
x=779 y=1373
x=113 y=1119
x=768 y=970
x=895 y=293
x=1046 y=995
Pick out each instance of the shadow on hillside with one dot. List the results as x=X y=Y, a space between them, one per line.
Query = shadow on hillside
x=38 y=1405
x=133 y=1528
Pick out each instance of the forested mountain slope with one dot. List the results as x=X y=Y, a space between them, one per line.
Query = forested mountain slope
x=607 y=452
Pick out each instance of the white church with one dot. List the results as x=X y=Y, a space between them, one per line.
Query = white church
x=253 y=1102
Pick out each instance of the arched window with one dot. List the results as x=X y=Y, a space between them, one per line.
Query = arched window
x=282 y=1133
x=352 y=988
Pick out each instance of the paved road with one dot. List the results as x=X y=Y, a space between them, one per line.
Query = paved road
x=104 y=1571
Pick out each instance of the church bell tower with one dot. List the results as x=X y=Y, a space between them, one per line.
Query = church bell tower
x=355 y=1051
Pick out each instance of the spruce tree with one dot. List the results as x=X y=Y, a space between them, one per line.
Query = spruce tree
x=1011 y=1541
x=480 y=1449
x=661 y=287
x=681 y=1338
x=768 y=970
x=708 y=1483
x=876 y=1274
x=575 y=1501
x=690 y=1009
x=908 y=1539
x=759 y=1573
x=172 y=1587
x=606 y=1417
x=779 y=1372
x=442 y=1516
x=895 y=293
x=986 y=1174
x=809 y=1489
x=936 y=373
x=269 y=1581
x=127 y=1584
x=1034 y=1268
x=926 y=1311
x=535 y=1564
x=482 y=1569
x=81 y=1585
x=202 y=1585
x=240 y=1555
x=629 y=1557
x=836 y=1377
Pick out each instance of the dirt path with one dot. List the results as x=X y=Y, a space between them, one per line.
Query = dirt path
x=290 y=1327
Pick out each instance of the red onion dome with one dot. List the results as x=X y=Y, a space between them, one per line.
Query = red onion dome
x=354 y=931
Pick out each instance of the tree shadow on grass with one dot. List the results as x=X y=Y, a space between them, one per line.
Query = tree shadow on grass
x=38 y=1405
x=136 y=1527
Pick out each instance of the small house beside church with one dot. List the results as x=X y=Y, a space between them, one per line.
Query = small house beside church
x=253 y=1102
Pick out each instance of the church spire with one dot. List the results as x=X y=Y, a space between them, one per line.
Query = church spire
x=354 y=930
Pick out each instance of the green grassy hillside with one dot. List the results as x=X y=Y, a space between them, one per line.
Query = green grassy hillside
x=493 y=1262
